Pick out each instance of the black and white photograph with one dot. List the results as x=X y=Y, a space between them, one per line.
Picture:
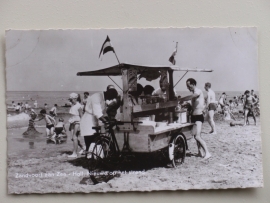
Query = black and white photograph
x=114 y=110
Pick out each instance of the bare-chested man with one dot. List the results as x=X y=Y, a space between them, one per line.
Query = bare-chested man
x=249 y=102
x=197 y=102
x=211 y=105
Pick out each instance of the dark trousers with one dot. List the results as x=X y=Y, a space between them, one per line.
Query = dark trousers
x=88 y=140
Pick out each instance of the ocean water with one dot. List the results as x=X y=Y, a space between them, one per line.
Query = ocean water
x=17 y=123
x=61 y=98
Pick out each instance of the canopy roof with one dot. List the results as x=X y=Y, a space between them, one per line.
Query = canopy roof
x=116 y=70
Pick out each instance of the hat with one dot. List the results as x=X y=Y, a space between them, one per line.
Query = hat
x=73 y=96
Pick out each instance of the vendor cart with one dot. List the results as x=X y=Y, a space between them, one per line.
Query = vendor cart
x=135 y=132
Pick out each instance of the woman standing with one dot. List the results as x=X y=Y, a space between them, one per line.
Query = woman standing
x=76 y=112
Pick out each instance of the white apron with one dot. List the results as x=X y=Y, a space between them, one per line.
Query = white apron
x=87 y=122
x=95 y=108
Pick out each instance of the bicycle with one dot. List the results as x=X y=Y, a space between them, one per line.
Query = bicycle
x=105 y=154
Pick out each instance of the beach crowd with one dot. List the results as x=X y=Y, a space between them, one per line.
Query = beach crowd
x=99 y=108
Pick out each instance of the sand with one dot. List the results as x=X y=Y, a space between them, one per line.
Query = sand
x=236 y=162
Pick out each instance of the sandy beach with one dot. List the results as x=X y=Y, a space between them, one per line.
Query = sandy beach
x=236 y=162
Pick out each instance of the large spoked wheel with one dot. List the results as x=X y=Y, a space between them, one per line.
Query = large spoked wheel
x=98 y=159
x=178 y=152
x=100 y=153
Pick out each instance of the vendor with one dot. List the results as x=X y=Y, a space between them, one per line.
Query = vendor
x=161 y=91
x=133 y=96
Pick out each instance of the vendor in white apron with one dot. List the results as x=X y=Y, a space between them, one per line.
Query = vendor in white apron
x=95 y=110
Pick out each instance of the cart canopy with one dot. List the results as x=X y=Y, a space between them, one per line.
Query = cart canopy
x=116 y=70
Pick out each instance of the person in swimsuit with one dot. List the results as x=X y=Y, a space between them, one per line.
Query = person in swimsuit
x=18 y=108
x=211 y=106
x=222 y=100
x=197 y=103
x=60 y=130
x=249 y=103
x=50 y=122
x=53 y=111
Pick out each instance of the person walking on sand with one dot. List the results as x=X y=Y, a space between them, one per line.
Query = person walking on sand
x=95 y=110
x=197 y=103
x=211 y=105
x=222 y=100
x=76 y=112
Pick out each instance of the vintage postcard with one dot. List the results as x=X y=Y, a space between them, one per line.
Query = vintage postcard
x=103 y=110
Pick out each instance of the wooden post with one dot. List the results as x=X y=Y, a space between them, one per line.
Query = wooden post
x=171 y=96
x=171 y=90
x=126 y=107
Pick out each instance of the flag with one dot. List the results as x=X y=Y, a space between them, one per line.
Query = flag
x=171 y=59
x=106 y=46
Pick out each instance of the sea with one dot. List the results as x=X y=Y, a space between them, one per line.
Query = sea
x=18 y=123
x=61 y=97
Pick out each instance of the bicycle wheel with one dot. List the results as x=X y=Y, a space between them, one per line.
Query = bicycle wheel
x=101 y=152
x=103 y=148
x=179 y=151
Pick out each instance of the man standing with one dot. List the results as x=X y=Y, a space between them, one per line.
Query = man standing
x=222 y=100
x=95 y=108
x=197 y=103
x=211 y=105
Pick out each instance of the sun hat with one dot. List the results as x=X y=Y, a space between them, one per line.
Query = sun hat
x=73 y=96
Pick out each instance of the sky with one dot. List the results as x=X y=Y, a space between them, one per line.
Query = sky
x=48 y=60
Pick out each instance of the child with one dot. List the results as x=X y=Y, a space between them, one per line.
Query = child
x=53 y=111
x=231 y=105
x=60 y=130
x=31 y=130
x=226 y=111
x=18 y=108
x=50 y=122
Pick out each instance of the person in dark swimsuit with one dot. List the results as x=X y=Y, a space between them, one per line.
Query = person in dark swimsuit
x=50 y=122
x=249 y=104
x=197 y=103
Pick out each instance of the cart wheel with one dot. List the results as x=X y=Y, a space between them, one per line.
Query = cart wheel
x=178 y=151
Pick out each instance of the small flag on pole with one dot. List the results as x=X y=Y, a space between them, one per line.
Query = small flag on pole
x=172 y=59
x=106 y=46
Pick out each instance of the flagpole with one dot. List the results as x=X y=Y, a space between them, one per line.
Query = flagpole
x=116 y=56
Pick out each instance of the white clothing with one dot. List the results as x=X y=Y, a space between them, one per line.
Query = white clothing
x=74 y=111
x=18 y=107
x=211 y=97
x=159 y=92
x=95 y=108
x=35 y=104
